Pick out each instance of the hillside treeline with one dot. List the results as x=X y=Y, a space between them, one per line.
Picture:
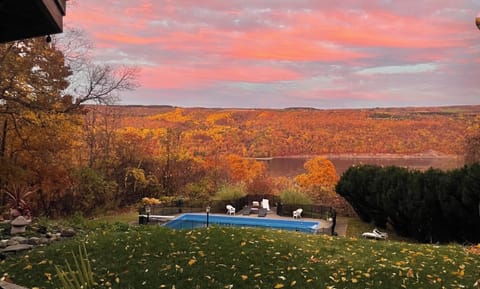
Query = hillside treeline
x=430 y=206
x=267 y=133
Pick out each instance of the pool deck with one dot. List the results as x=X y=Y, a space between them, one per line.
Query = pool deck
x=340 y=227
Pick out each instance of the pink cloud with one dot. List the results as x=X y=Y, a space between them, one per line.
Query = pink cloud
x=274 y=45
x=125 y=39
x=190 y=77
x=376 y=28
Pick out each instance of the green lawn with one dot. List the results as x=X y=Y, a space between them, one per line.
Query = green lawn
x=222 y=257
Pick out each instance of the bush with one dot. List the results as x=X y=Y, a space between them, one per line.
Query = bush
x=94 y=193
x=295 y=197
x=230 y=193
x=430 y=206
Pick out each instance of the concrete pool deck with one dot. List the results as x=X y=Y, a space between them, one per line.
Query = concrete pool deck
x=340 y=226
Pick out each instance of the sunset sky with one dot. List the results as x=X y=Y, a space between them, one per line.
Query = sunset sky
x=289 y=53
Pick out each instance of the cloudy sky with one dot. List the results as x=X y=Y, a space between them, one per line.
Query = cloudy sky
x=289 y=53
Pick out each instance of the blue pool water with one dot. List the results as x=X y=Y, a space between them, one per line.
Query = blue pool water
x=191 y=221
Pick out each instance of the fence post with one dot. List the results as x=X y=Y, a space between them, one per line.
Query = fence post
x=279 y=209
x=334 y=222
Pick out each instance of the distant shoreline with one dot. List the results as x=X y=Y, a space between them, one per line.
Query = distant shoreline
x=428 y=155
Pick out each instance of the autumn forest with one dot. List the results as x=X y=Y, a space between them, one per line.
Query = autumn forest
x=66 y=147
x=303 y=131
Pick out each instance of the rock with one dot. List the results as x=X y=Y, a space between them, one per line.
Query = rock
x=45 y=241
x=19 y=239
x=68 y=233
x=53 y=236
x=42 y=230
x=7 y=285
x=16 y=248
x=12 y=243
x=34 y=241
x=3 y=244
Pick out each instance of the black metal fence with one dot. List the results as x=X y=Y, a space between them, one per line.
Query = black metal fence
x=219 y=207
x=309 y=211
x=216 y=207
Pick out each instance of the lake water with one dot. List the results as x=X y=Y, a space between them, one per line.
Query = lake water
x=293 y=166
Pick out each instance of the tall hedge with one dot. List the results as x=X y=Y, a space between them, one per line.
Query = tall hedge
x=430 y=206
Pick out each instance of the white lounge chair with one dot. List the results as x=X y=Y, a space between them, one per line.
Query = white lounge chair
x=265 y=204
x=375 y=234
x=230 y=210
x=297 y=213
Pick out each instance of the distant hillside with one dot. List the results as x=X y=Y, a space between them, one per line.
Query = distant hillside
x=307 y=131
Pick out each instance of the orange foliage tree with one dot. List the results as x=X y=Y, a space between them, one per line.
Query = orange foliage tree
x=244 y=170
x=320 y=178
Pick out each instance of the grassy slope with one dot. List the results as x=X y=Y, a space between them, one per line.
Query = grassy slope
x=154 y=257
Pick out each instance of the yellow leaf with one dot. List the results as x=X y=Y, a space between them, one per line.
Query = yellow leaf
x=244 y=277
x=293 y=283
x=278 y=285
x=191 y=262
x=354 y=280
x=28 y=267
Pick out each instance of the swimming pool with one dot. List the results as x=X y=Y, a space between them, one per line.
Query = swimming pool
x=191 y=221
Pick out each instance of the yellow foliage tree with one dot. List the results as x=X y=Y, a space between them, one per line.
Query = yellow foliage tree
x=320 y=178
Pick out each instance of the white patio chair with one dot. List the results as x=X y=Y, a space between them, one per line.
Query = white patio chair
x=230 y=210
x=297 y=213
